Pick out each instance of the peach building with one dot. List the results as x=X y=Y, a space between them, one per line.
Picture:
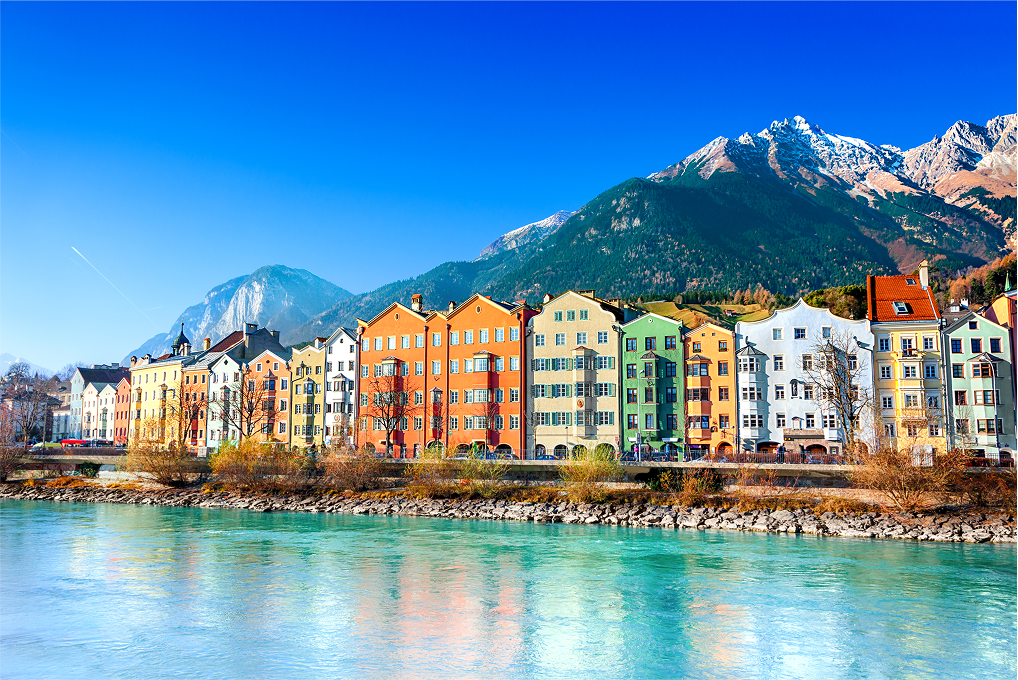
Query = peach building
x=711 y=423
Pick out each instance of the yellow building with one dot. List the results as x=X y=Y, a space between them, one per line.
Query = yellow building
x=307 y=395
x=907 y=361
x=154 y=386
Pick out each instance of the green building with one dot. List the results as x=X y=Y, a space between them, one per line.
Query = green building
x=654 y=388
x=980 y=387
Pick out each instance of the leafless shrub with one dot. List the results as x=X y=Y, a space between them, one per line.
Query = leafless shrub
x=907 y=477
x=344 y=467
x=587 y=472
x=431 y=473
x=253 y=466
x=171 y=467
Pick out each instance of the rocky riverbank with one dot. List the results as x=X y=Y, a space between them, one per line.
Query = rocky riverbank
x=972 y=527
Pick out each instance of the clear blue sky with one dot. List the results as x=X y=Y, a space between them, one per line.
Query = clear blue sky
x=179 y=145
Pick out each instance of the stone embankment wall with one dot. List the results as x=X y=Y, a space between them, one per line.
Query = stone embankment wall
x=970 y=527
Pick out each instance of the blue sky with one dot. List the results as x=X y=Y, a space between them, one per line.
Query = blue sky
x=179 y=145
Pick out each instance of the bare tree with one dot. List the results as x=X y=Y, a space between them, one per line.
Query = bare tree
x=67 y=372
x=183 y=409
x=837 y=369
x=242 y=405
x=10 y=455
x=390 y=402
x=29 y=403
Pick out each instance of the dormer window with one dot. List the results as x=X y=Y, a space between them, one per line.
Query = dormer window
x=910 y=282
x=900 y=308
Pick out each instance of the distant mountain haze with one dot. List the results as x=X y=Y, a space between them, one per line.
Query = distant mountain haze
x=7 y=359
x=276 y=297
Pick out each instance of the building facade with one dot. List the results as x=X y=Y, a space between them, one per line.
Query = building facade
x=654 y=402
x=99 y=373
x=122 y=413
x=711 y=413
x=908 y=361
x=307 y=395
x=791 y=401
x=573 y=402
x=980 y=386
x=341 y=363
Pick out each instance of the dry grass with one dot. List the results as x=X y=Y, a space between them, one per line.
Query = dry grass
x=68 y=483
x=586 y=474
x=345 y=468
x=903 y=484
x=431 y=475
x=253 y=466
x=170 y=468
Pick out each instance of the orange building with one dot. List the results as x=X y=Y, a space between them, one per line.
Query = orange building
x=271 y=372
x=461 y=371
x=122 y=413
x=196 y=397
x=711 y=423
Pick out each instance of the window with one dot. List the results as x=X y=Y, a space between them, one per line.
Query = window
x=454 y=366
x=911 y=401
x=885 y=372
x=499 y=335
x=648 y=395
x=955 y=346
x=454 y=422
x=631 y=370
x=826 y=332
x=957 y=370
x=907 y=344
x=930 y=371
x=436 y=367
x=779 y=362
x=436 y=339
x=630 y=344
x=581 y=338
x=699 y=369
x=698 y=394
x=581 y=363
x=583 y=315
x=603 y=362
x=932 y=401
x=514 y=422
x=929 y=343
x=722 y=368
x=722 y=394
x=650 y=343
x=539 y=340
x=404 y=342
x=560 y=390
x=973 y=325
x=583 y=389
x=807 y=362
x=482 y=336
x=748 y=364
x=631 y=395
x=539 y=364
x=828 y=421
x=558 y=316
x=379 y=344
x=779 y=419
x=909 y=371
x=499 y=364
x=631 y=421
x=418 y=398
x=468 y=337
x=752 y=420
x=811 y=420
x=886 y=402
x=976 y=344
x=418 y=423
x=482 y=396
x=984 y=397
x=670 y=369
x=799 y=333
x=498 y=423
x=960 y=398
x=468 y=365
x=981 y=370
x=571 y=315
x=648 y=421
x=889 y=429
x=514 y=363
x=776 y=333
x=481 y=365
x=468 y=396
x=884 y=344
x=514 y=335
x=934 y=429
x=670 y=395
x=961 y=425
x=900 y=308
x=751 y=394
x=560 y=364
x=514 y=395
x=696 y=346
x=602 y=337
x=670 y=342
x=994 y=345
x=454 y=396
x=779 y=391
x=807 y=392
x=454 y=338
x=419 y=368
x=391 y=342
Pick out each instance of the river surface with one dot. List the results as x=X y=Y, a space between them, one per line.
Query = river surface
x=145 y=592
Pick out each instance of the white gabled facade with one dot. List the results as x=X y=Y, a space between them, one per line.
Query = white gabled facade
x=779 y=407
x=341 y=361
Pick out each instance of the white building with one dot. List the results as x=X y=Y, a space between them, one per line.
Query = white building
x=782 y=408
x=341 y=362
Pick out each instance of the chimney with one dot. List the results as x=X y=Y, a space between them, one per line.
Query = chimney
x=250 y=328
x=275 y=335
x=207 y=344
x=964 y=303
x=452 y=306
x=416 y=302
x=587 y=293
x=320 y=342
x=547 y=298
x=134 y=360
x=147 y=358
x=924 y=274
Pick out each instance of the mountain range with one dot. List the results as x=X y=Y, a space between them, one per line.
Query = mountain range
x=277 y=297
x=792 y=207
x=6 y=359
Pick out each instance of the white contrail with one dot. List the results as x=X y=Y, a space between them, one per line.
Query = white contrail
x=114 y=287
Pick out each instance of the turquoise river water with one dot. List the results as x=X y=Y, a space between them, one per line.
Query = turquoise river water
x=143 y=592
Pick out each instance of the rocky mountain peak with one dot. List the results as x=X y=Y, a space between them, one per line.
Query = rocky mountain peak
x=527 y=234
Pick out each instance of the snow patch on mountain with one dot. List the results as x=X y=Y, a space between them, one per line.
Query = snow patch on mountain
x=527 y=234
x=6 y=359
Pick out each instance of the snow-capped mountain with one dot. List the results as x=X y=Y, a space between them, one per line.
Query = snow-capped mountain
x=530 y=233
x=277 y=297
x=6 y=359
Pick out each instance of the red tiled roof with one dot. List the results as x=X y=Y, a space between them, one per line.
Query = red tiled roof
x=883 y=291
x=228 y=342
